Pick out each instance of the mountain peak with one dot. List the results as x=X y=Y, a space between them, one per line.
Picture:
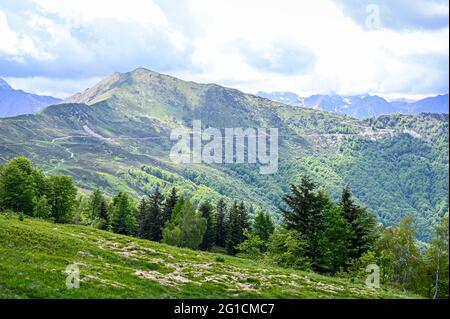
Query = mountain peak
x=4 y=85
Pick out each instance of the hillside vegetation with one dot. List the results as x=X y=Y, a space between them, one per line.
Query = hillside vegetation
x=116 y=266
x=115 y=136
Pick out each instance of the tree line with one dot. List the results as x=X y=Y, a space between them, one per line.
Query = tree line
x=332 y=237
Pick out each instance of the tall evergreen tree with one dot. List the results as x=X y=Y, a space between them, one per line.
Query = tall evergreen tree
x=123 y=215
x=207 y=212
x=104 y=217
x=169 y=205
x=362 y=223
x=95 y=201
x=144 y=229
x=235 y=234
x=244 y=219
x=221 y=225
x=305 y=214
x=151 y=216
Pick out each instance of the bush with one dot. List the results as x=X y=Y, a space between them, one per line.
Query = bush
x=286 y=248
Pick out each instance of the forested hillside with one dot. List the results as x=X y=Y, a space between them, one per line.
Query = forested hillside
x=118 y=139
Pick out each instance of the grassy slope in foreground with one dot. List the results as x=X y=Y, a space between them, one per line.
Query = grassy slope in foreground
x=34 y=255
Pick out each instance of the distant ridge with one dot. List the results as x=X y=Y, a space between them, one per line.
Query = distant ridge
x=362 y=106
x=17 y=102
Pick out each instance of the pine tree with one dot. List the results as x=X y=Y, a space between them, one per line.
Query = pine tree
x=144 y=219
x=95 y=202
x=206 y=211
x=244 y=220
x=362 y=223
x=235 y=233
x=104 y=217
x=169 y=205
x=151 y=216
x=221 y=226
x=335 y=239
x=123 y=215
x=305 y=214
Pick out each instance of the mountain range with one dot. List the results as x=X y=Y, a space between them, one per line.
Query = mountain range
x=116 y=136
x=362 y=106
x=16 y=102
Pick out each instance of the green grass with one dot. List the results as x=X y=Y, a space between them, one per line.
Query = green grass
x=34 y=255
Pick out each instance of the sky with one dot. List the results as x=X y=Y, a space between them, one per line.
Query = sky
x=394 y=48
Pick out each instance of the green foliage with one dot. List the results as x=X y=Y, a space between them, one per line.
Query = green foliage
x=18 y=186
x=251 y=247
x=151 y=216
x=123 y=214
x=287 y=248
x=305 y=215
x=263 y=225
x=235 y=231
x=207 y=212
x=335 y=238
x=186 y=228
x=437 y=259
x=221 y=225
x=62 y=197
x=401 y=256
x=42 y=208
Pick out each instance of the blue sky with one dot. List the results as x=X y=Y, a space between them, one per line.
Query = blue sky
x=393 y=47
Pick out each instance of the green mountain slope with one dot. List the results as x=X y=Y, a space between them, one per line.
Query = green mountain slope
x=115 y=266
x=115 y=135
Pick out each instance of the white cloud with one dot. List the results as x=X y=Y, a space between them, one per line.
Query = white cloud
x=305 y=47
x=15 y=46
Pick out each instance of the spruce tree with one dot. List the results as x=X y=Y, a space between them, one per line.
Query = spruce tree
x=206 y=211
x=235 y=233
x=221 y=225
x=144 y=219
x=305 y=214
x=104 y=217
x=151 y=216
x=362 y=223
x=123 y=215
x=244 y=220
x=169 y=205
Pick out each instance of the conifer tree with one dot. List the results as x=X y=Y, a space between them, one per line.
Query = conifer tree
x=221 y=226
x=235 y=233
x=362 y=223
x=206 y=211
x=123 y=215
x=169 y=205
x=305 y=214
x=104 y=217
x=151 y=216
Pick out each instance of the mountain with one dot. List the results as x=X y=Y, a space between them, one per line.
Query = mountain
x=17 y=102
x=362 y=106
x=116 y=135
x=116 y=266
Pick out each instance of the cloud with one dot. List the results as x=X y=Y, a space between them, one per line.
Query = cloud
x=305 y=47
x=401 y=14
